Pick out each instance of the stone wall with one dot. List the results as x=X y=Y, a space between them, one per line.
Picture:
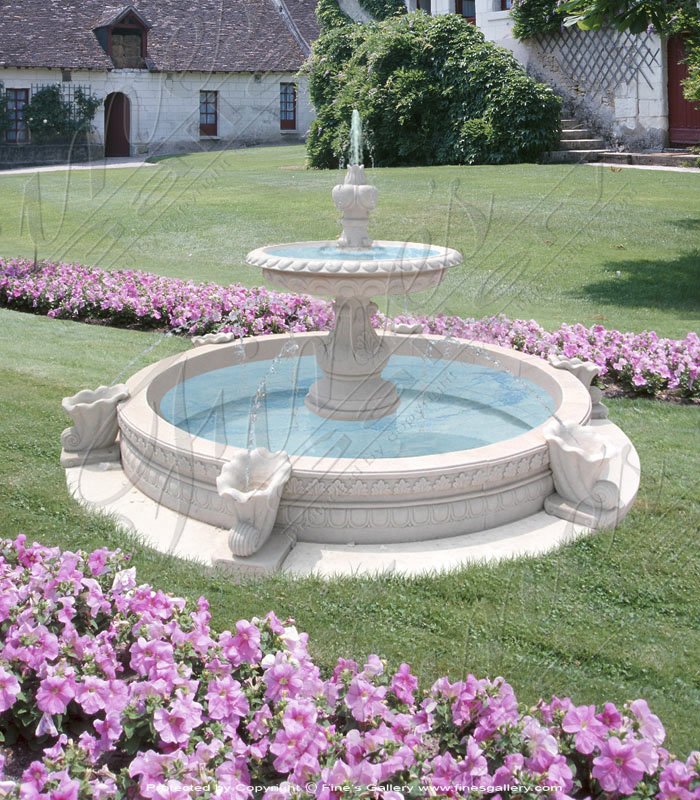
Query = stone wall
x=616 y=82
x=34 y=155
x=165 y=106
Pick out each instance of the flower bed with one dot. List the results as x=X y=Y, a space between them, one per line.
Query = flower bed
x=133 y=695
x=642 y=363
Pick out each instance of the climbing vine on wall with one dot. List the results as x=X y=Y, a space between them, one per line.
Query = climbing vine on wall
x=531 y=17
x=51 y=117
x=383 y=9
x=330 y=15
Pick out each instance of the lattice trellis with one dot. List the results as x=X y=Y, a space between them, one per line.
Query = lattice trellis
x=602 y=60
x=67 y=91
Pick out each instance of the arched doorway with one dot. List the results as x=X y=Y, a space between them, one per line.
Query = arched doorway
x=117 y=125
x=683 y=117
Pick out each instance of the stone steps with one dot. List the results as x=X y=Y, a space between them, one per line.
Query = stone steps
x=590 y=143
x=579 y=144
x=663 y=159
x=576 y=156
x=567 y=134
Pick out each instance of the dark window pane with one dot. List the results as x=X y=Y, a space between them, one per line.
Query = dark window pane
x=207 y=113
x=16 y=100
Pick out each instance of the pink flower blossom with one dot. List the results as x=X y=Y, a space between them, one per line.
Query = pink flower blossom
x=175 y=724
x=404 y=685
x=54 y=694
x=649 y=724
x=225 y=700
x=589 y=730
x=617 y=769
x=9 y=689
x=364 y=699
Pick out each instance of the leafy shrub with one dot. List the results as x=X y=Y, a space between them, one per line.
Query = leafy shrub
x=531 y=17
x=691 y=85
x=330 y=16
x=688 y=25
x=49 y=117
x=383 y=9
x=430 y=90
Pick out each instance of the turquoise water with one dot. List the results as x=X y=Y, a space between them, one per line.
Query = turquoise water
x=374 y=253
x=445 y=406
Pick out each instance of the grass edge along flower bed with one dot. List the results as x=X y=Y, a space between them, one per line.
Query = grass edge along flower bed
x=642 y=363
x=133 y=695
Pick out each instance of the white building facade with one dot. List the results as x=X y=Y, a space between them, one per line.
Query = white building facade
x=163 y=109
x=170 y=78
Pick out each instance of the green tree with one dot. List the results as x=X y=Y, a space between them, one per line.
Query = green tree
x=636 y=16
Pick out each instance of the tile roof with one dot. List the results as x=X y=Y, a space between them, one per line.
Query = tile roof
x=201 y=36
x=110 y=14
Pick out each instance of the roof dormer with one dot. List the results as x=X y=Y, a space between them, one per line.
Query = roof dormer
x=123 y=35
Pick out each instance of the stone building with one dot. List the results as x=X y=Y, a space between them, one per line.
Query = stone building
x=174 y=76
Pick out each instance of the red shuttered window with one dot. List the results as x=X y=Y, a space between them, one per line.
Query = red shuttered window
x=288 y=107
x=207 y=113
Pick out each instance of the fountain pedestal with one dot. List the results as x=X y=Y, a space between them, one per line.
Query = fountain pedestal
x=352 y=360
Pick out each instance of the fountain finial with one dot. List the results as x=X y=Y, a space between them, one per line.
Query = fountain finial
x=355 y=197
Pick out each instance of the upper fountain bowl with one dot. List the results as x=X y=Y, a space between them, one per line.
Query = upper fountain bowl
x=325 y=268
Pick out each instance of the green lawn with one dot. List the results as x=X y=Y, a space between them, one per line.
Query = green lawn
x=542 y=242
x=614 y=616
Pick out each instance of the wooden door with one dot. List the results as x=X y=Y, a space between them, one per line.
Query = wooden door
x=117 y=125
x=683 y=117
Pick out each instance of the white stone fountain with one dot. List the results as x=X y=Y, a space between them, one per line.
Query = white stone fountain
x=341 y=489
x=354 y=269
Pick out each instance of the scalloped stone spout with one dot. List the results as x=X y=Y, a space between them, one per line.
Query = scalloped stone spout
x=585 y=371
x=254 y=480
x=581 y=459
x=92 y=438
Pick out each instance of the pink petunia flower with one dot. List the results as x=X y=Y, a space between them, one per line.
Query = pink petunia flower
x=589 y=730
x=9 y=689
x=175 y=724
x=54 y=694
x=364 y=699
x=617 y=768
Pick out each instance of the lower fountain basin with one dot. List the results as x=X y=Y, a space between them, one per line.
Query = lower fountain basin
x=365 y=498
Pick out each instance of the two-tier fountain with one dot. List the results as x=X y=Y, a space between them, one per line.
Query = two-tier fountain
x=358 y=437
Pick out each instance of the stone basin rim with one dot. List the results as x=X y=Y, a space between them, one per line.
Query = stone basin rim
x=266 y=258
